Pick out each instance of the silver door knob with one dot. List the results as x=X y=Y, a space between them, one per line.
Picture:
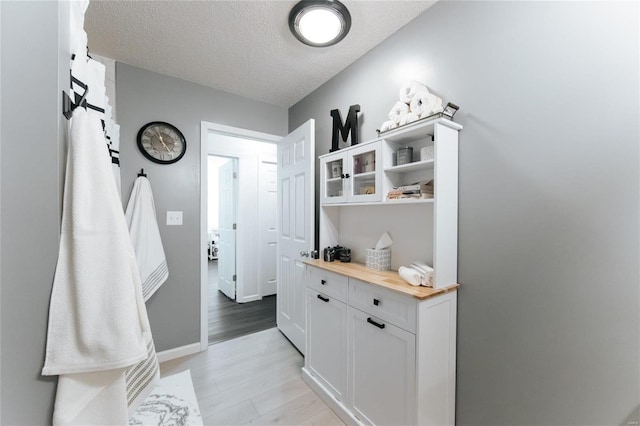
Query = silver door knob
x=304 y=253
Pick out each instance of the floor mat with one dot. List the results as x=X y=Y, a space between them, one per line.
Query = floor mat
x=172 y=403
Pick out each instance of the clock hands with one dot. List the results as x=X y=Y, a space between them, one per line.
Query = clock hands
x=164 y=144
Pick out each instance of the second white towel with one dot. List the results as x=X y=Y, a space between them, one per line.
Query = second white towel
x=145 y=236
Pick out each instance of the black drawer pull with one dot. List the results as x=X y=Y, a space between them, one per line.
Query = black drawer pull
x=323 y=282
x=325 y=299
x=370 y=321
x=376 y=302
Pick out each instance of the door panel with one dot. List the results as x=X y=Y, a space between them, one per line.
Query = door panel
x=296 y=209
x=268 y=223
x=227 y=218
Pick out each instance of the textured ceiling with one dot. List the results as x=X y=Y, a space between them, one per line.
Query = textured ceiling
x=242 y=47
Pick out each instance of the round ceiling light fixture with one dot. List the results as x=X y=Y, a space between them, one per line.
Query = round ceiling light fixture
x=319 y=23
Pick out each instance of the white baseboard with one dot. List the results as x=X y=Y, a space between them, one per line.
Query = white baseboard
x=181 y=351
x=336 y=406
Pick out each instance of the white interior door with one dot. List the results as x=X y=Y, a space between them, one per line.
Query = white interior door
x=296 y=210
x=228 y=174
x=268 y=226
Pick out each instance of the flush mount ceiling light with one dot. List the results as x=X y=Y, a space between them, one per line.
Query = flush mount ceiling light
x=319 y=23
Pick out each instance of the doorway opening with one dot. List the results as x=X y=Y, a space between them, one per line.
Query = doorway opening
x=239 y=232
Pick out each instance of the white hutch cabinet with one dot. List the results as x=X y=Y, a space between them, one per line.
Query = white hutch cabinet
x=380 y=351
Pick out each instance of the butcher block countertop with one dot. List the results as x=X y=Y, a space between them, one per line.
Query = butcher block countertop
x=387 y=279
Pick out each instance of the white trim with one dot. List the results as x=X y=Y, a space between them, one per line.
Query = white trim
x=179 y=352
x=207 y=128
x=338 y=407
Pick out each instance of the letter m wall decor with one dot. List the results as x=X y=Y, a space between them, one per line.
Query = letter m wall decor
x=350 y=126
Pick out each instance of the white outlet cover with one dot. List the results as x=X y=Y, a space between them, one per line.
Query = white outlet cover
x=174 y=218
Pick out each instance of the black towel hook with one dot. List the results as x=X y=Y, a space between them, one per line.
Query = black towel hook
x=142 y=173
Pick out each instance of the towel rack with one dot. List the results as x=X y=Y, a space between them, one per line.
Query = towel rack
x=68 y=105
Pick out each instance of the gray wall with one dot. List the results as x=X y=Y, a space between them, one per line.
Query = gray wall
x=34 y=55
x=548 y=323
x=143 y=96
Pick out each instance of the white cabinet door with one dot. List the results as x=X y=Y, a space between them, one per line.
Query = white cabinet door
x=364 y=173
x=382 y=366
x=296 y=228
x=326 y=357
x=352 y=175
x=332 y=180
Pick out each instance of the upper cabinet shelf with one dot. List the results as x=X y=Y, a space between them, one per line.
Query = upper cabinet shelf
x=364 y=174
x=410 y=167
x=416 y=131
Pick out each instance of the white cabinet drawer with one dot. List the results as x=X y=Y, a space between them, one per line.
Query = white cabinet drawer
x=329 y=283
x=399 y=309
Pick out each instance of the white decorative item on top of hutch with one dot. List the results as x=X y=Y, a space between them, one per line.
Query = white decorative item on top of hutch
x=380 y=351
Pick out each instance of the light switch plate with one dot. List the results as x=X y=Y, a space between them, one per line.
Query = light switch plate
x=174 y=218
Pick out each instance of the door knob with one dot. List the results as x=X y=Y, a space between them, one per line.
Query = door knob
x=304 y=253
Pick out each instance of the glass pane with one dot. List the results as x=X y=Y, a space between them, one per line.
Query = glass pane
x=364 y=163
x=334 y=179
x=364 y=185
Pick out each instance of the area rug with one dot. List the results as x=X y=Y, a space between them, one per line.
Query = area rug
x=172 y=403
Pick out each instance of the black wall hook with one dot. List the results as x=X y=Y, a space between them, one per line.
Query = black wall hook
x=142 y=173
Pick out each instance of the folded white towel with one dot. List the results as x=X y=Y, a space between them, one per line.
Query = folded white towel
x=412 y=116
x=425 y=104
x=432 y=110
x=403 y=118
x=409 y=90
x=426 y=271
x=145 y=236
x=410 y=275
x=386 y=125
x=397 y=110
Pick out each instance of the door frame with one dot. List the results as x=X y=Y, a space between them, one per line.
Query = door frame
x=207 y=129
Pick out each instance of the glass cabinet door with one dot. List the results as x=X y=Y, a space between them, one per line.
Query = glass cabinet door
x=332 y=178
x=365 y=173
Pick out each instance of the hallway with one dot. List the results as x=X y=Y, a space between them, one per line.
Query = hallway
x=228 y=319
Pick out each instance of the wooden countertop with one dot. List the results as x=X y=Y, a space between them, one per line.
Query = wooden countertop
x=388 y=279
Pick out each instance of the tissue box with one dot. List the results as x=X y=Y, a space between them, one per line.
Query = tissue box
x=378 y=260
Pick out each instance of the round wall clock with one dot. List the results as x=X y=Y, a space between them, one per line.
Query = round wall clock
x=161 y=142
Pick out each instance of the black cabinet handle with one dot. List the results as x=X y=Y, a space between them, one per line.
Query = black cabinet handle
x=323 y=282
x=347 y=176
x=370 y=321
x=326 y=299
x=342 y=176
x=376 y=302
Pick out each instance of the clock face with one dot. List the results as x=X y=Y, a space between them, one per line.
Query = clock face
x=161 y=142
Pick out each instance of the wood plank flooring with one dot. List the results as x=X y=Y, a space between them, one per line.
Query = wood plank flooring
x=254 y=379
x=228 y=319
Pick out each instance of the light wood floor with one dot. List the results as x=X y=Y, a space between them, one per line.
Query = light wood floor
x=254 y=379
